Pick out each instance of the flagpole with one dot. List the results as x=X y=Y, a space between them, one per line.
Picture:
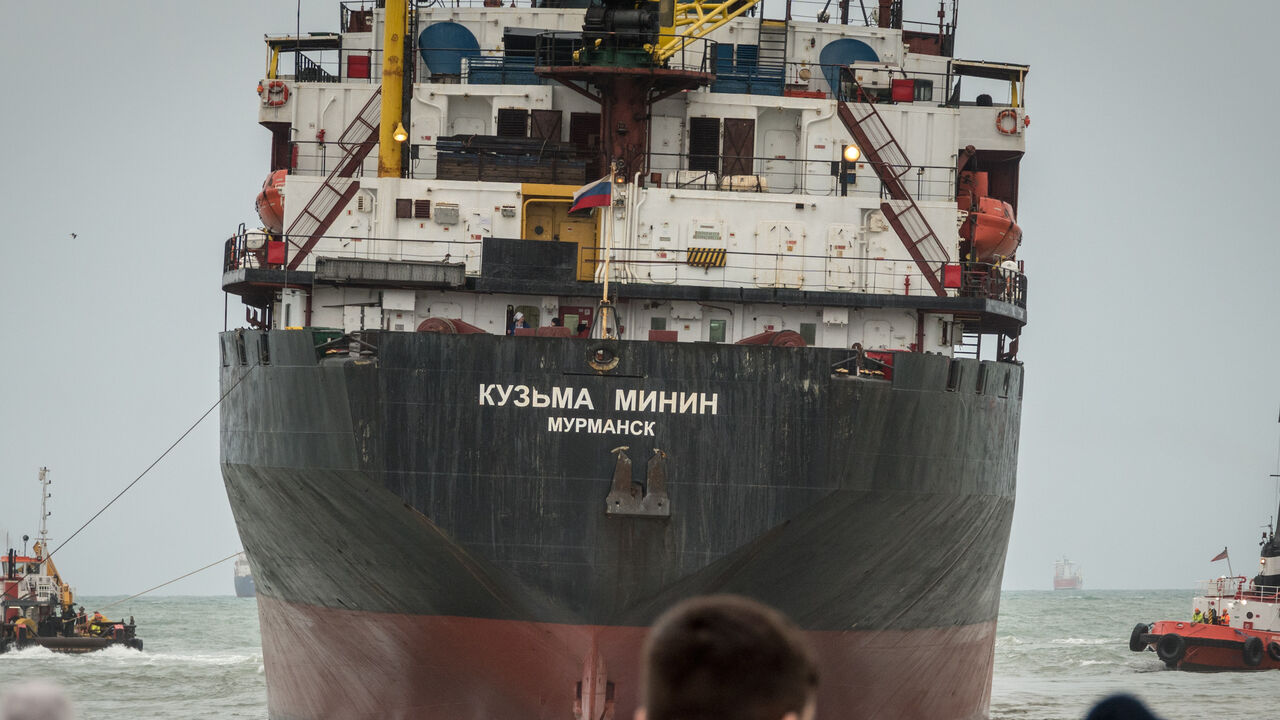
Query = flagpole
x=608 y=253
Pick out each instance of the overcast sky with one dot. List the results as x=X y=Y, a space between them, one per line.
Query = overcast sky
x=1150 y=417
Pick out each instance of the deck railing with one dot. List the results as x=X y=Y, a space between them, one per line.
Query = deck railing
x=647 y=266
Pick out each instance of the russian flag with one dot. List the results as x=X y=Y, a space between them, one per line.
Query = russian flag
x=596 y=194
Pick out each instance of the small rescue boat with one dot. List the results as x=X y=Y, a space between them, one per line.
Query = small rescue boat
x=38 y=609
x=270 y=202
x=1235 y=623
x=989 y=224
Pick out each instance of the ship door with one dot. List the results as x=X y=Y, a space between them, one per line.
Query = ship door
x=656 y=251
x=717 y=325
x=780 y=131
x=544 y=218
x=738 y=156
x=779 y=255
x=846 y=259
x=583 y=232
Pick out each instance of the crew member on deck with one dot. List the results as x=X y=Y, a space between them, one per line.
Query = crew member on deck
x=1197 y=616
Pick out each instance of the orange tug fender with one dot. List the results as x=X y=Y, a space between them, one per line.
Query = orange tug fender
x=1010 y=114
x=275 y=94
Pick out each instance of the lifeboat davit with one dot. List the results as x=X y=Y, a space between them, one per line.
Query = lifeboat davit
x=270 y=202
x=992 y=230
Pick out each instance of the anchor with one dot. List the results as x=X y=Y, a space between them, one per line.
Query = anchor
x=628 y=498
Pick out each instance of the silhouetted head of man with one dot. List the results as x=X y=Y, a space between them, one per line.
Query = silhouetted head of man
x=724 y=657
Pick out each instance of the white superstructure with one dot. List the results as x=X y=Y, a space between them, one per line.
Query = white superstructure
x=745 y=219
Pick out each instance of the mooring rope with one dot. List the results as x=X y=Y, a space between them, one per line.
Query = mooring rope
x=153 y=464
x=170 y=582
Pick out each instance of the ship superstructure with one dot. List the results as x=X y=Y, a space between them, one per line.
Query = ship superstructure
x=775 y=354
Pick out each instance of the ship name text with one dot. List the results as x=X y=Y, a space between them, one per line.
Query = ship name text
x=568 y=398
x=624 y=401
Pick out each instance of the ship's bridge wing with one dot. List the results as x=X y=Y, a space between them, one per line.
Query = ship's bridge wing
x=310 y=41
x=989 y=70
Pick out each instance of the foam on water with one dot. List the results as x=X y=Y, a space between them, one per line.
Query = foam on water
x=202 y=659
x=1055 y=655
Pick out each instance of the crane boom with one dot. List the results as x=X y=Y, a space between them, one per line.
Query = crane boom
x=696 y=20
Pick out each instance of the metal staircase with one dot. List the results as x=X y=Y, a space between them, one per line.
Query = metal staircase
x=890 y=163
x=772 y=44
x=360 y=137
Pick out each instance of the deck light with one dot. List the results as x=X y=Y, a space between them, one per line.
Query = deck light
x=852 y=153
x=400 y=134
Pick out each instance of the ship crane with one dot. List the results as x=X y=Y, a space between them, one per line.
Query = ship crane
x=697 y=19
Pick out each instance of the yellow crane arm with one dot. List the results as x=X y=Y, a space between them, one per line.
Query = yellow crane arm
x=696 y=19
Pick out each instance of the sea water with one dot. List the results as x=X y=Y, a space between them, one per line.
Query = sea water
x=1057 y=653
x=201 y=659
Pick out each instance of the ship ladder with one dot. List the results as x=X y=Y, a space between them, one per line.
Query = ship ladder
x=890 y=163
x=356 y=142
x=771 y=51
x=970 y=346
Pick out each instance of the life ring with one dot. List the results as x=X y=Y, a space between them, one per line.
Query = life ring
x=1011 y=115
x=1251 y=652
x=1170 y=648
x=1273 y=650
x=1135 y=638
x=274 y=93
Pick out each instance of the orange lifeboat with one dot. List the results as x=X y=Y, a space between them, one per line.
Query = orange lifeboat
x=270 y=202
x=992 y=230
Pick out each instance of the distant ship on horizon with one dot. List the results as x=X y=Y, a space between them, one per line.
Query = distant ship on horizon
x=244 y=578
x=1067 y=576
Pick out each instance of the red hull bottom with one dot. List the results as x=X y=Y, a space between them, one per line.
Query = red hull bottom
x=1215 y=647
x=326 y=663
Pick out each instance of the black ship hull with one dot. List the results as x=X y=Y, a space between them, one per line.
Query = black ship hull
x=432 y=539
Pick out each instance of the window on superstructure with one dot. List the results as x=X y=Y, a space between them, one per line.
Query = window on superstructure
x=584 y=132
x=716 y=331
x=657 y=323
x=513 y=122
x=704 y=144
x=924 y=90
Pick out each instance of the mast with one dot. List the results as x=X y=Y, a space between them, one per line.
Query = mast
x=45 y=482
x=391 y=131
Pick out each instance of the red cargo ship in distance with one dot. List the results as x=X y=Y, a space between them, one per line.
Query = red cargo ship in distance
x=1067 y=575
x=477 y=436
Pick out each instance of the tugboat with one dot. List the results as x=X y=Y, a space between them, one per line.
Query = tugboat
x=1066 y=575
x=1235 y=622
x=38 y=608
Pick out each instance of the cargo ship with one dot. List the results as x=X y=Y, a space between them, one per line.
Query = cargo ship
x=1067 y=576
x=244 y=577
x=558 y=314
